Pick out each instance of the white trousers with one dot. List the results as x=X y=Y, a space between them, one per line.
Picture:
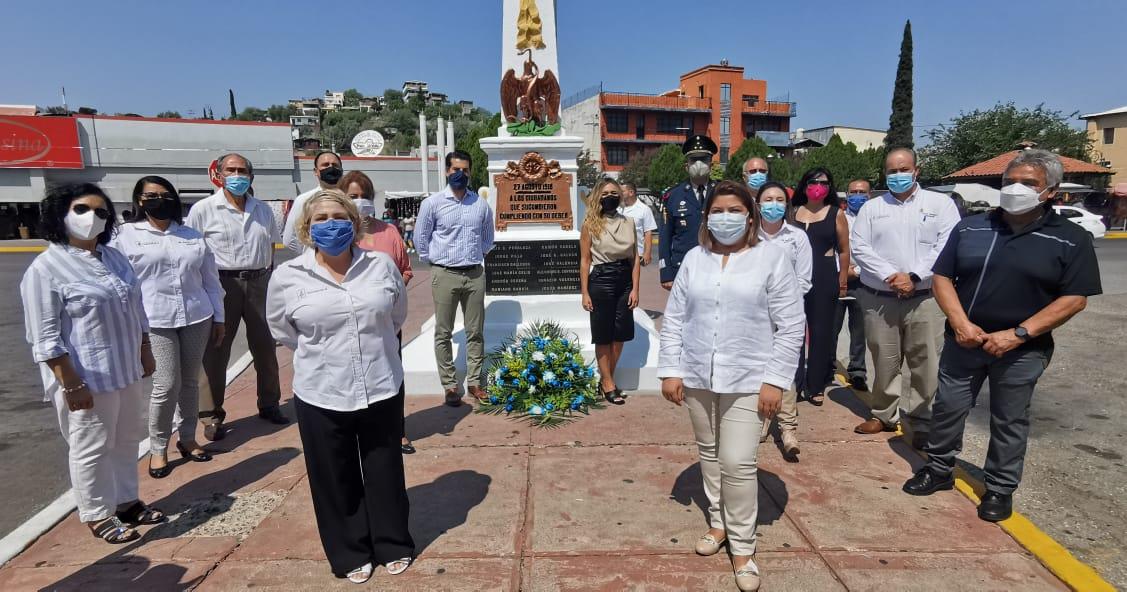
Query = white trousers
x=727 y=431
x=102 y=452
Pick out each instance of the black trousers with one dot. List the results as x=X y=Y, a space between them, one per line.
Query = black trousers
x=355 y=472
x=857 y=366
x=609 y=286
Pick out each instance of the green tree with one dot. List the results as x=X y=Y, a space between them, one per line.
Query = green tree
x=900 y=122
x=338 y=127
x=751 y=147
x=844 y=162
x=983 y=134
x=393 y=99
x=588 y=173
x=231 y=99
x=471 y=144
x=787 y=169
x=252 y=114
x=169 y=115
x=280 y=113
x=667 y=168
x=637 y=169
x=352 y=97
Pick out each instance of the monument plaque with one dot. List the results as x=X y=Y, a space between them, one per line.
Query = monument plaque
x=533 y=191
x=533 y=267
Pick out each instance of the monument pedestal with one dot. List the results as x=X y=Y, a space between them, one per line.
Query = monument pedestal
x=533 y=271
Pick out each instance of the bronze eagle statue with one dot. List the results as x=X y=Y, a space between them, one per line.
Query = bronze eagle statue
x=531 y=97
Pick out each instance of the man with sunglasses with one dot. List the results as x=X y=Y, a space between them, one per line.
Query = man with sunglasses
x=240 y=232
x=755 y=172
x=683 y=208
x=328 y=169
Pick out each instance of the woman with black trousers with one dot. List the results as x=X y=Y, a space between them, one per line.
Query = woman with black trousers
x=817 y=212
x=608 y=280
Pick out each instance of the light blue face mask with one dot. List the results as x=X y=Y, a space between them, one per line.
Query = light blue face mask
x=237 y=184
x=756 y=179
x=773 y=211
x=901 y=182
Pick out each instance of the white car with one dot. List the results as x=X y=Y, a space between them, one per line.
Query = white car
x=1087 y=220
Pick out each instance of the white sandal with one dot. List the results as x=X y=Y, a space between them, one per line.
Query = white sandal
x=361 y=574
x=393 y=570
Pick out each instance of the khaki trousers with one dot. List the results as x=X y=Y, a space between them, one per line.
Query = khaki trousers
x=727 y=432
x=452 y=289
x=900 y=331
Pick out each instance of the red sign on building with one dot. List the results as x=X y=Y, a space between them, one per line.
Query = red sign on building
x=39 y=143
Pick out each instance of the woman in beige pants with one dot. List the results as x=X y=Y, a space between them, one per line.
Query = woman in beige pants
x=730 y=339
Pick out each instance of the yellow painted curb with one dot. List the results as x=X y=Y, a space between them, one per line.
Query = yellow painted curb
x=1115 y=235
x=22 y=249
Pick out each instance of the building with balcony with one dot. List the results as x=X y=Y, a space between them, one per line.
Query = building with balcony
x=414 y=88
x=714 y=100
x=1110 y=151
x=333 y=100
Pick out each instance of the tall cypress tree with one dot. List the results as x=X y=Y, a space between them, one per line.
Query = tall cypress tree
x=234 y=114
x=900 y=122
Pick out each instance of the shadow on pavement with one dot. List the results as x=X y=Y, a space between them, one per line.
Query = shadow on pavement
x=440 y=419
x=688 y=489
x=845 y=397
x=247 y=428
x=443 y=504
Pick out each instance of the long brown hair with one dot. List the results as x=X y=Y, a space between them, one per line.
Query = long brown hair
x=594 y=222
x=743 y=193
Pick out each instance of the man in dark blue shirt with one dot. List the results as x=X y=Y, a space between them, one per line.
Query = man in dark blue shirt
x=1005 y=280
x=684 y=208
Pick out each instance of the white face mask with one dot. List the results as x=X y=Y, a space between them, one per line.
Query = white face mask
x=699 y=170
x=727 y=227
x=1020 y=199
x=367 y=207
x=84 y=226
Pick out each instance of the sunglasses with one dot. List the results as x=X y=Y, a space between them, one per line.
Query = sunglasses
x=80 y=209
x=150 y=195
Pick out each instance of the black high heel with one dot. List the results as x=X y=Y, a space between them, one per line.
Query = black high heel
x=614 y=397
x=185 y=453
x=160 y=473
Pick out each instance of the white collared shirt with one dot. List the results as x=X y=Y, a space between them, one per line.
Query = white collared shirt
x=179 y=278
x=346 y=353
x=890 y=236
x=797 y=246
x=736 y=328
x=644 y=222
x=238 y=240
x=75 y=304
x=289 y=232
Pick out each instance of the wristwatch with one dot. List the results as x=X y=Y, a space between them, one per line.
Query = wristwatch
x=1022 y=333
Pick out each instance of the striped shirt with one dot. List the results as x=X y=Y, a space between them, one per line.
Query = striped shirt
x=179 y=279
x=88 y=309
x=239 y=240
x=452 y=232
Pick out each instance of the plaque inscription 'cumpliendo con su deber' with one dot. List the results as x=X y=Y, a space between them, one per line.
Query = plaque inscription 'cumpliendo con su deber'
x=533 y=191
x=533 y=267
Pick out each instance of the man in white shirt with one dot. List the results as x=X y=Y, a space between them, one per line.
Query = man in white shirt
x=328 y=169
x=895 y=240
x=240 y=232
x=644 y=223
x=856 y=196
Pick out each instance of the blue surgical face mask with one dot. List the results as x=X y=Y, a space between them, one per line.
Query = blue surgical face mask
x=458 y=179
x=237 y=184
x=332 y=236
x=901 y=182
x=756 y=179
x=855 y=202
x=773 y=211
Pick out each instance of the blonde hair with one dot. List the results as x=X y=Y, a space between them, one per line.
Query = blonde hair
x=595 y=222
x=333 y=195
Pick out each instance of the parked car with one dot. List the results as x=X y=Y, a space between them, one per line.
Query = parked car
x=1087 y=220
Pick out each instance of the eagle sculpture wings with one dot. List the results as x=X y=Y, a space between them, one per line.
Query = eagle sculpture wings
x=530 y=97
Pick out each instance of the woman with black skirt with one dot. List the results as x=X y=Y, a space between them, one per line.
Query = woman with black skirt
x=817 y=213
x=608 y=279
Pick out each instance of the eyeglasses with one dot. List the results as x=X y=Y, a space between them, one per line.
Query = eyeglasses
x=818 y=182
x=80 y=209
x=150 y=195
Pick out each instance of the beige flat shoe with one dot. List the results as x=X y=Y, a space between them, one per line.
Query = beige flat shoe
x=708 y=545
x=747 y=577
x=790 y=443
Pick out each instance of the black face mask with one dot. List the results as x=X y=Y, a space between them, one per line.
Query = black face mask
x=159 y=209
x=331 y=175
x=609 y=204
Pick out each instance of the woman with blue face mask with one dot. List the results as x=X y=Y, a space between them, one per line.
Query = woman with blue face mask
x=340 y=308
x=730 y=338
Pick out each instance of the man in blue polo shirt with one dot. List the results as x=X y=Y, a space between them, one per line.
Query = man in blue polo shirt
x=1005 y=280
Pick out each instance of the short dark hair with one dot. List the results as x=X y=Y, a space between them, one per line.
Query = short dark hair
x=626 y=184
x=324 y=152
x=741 y=191
x=139 y=212
x=56 y=204
x=800 y=198
x=459 y=155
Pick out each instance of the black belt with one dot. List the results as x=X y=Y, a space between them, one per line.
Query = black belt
x=243 y=274
x=459 y=268
x=916 y=294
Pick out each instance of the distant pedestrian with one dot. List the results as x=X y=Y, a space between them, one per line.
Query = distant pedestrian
x=729 y=347
x=239 y=229
x=340 y=308
x=1005 y=280
x=816 y=211
x=775 y=227
x=409 y=233
x=857 y=372
x=455 y=231
x=683 y=208
x=328 y=170
x=184 y=304
x=608 y=280
x=896 y=238
x=644 y=223
x=89 y=334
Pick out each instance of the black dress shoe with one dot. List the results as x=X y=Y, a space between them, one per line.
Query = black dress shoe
x=926 y=483
x=858 y=383
x=273 y=415
x=995 y=506
x=407 y=448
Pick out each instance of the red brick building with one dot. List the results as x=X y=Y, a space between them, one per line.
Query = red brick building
x=715 y=100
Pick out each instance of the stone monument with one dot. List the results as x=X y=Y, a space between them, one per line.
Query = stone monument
x=532 y=273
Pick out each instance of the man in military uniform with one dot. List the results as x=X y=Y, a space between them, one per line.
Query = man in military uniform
x=684 y=208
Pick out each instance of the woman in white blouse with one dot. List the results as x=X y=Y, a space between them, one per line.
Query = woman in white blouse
x=729 y=346
x=339 y=308
x=184 y=303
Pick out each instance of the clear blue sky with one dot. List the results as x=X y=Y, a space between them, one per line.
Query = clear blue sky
x=837 y=60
